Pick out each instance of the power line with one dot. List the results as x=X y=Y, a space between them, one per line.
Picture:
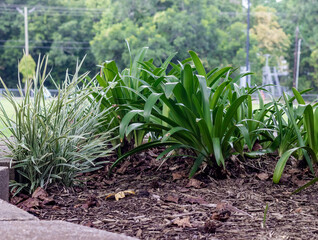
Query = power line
x=47 y=47
x=82 y=11
x=34 y=41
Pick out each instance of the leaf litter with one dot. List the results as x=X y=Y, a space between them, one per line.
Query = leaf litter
x=173 y=207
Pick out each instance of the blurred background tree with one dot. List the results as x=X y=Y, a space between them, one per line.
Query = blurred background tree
x=215 y=29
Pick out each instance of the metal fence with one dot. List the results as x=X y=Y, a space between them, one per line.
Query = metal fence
x=15 y=92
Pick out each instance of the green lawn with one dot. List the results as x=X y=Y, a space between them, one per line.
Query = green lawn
x=10 y=112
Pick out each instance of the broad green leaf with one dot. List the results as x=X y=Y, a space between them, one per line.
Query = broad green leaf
x=188 y=80
x=246 y=135
x=205 y=102
x=231 y=112
x=217 y=94
x=181 y=95
x=169 y=133
x=218 y=122
x=198 y=64
x=169 y=88
x=214 y=79
x=205 y=134
x=101 y=81
x=296 y=129
x=133 y=127
x=168 y=150
x=125 y=122
x=280 y=166
x=151 y=101
x=110 y=70
x=218 y=151
x=299 y=98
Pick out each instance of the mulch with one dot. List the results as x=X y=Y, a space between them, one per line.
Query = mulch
x=157 y=200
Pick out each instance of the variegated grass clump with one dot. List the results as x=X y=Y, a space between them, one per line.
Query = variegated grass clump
x=54 y=139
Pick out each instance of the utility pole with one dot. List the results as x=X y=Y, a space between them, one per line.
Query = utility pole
x=298 y=59
x=26 y=31
x=295 y=56
x=248 y=42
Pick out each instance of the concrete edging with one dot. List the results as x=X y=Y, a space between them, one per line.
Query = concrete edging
x=16 y=224
x=4 y=183
x=5 y=162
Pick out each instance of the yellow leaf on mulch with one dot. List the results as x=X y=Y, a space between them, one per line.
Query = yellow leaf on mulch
x=120 y=195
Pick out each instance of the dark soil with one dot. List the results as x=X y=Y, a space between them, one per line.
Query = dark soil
x=167 y=205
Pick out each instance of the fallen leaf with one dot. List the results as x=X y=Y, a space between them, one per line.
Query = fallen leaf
x=177 y=176
x=16 y=200
x=190 y=199
x=120 y=195
x=183 y=222
x=294 y=171
x=171 y=198
x=262 y=176
x=40 y=193
x=138 y=233
x=195 y=183
x=29 y=203
x=298 y=182
x=298 y=210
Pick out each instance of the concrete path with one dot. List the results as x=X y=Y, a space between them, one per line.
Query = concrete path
x=16 y=224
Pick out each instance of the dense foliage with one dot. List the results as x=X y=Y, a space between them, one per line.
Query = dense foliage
x=216 y=30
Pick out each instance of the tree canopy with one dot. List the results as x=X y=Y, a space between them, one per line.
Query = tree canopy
x=215 y=29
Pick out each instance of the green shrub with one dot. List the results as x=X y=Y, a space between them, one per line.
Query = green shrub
x=54 y=139
x=199 y=112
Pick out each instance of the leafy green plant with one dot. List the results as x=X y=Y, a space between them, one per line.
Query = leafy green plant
x=201 y=113
x=302 y=121
x=53 y=140
x=281 y=135
x=118 y=90
x=265 y=215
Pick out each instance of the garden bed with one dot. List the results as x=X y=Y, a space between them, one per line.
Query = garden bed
x=167 y=205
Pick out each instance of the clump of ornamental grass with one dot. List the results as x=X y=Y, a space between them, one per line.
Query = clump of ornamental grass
x=53 y=139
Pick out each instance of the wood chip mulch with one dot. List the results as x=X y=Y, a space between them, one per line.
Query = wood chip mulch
x=164 y=204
